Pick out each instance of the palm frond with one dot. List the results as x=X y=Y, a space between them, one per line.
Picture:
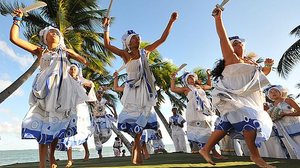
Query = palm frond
x=8 y=8
x=289 y=59
x=296 y=31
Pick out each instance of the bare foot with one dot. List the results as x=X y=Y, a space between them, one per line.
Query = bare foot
x=69 y=164
x=218 y=156
x=261 y=163
x=146 y=156
x=145 y=153
x=132 y=152
x=206 y=156
x=137 y=157
x=87 y=156
x=53 y=163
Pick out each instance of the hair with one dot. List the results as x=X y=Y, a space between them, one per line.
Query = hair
x=218 y=69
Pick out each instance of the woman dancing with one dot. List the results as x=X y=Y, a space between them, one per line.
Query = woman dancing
x=238 y=97
x=139 y=93
x=55 y=94
x=199 y=114
x=288 y=121
x=102 y=121
x=84 y=125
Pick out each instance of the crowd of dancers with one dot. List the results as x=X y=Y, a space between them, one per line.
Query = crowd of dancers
x=65 y=110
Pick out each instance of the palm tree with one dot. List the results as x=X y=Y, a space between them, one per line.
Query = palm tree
x=79 y=22
x=291 y=56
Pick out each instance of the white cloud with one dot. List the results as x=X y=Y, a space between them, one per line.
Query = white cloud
x=24 y=61
x=5 y=111
x=13 y=127
x=5 y=83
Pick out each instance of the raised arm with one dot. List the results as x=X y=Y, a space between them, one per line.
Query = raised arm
x=177 y=89
x=107 y=45
x=165 y=34
x=14 y=36
x=72 y=54
x=116 y=83
x=294 y=105
x=227 y=50
x=268 y=66
x=208 y=83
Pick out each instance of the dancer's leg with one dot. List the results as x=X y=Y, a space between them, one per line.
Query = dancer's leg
x=138 y=157
x=145 y=151
x=215 y=137
x=87 y=152
x=70 y=160
x=43 y=151
x=254 y=154
x=217 y=155
x=53 y=163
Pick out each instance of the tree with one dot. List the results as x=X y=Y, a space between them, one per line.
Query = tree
x=79 y=22
x=291 y=56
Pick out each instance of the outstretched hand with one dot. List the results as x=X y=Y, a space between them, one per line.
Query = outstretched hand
x=269 y=61
x=116 y=74
x=18 y=13
x=217 y=13
x=105 y=21
x=173 y=75
x=208 y=72
x=174 y=16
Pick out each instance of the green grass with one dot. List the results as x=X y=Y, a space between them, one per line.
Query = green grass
x=168 y=160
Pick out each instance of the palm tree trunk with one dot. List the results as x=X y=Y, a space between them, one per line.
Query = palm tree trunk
x=14 y=86
x=122 y=137
x=164 y=121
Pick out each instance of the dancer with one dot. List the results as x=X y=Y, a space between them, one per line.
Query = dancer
x=288 y=121
x=139 y=93
x=102 y=121
x=238 y=97
x=199 y=114
x=84 y=125
x=176 y=122
x=147 y=134
x=54 y=95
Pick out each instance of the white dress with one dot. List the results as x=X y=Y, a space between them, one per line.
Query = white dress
x=200 y=122
x=102 y=124
x=84 y=125
x=55 y=95
x=238 y=98
x=289 y=128
x=136 y=114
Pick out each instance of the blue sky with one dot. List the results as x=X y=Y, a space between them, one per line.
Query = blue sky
x=265 y=24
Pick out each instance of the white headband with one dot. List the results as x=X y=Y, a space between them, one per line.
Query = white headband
x=279 y=88
x=79 y=71
x=186 y=76
x=43 y=36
